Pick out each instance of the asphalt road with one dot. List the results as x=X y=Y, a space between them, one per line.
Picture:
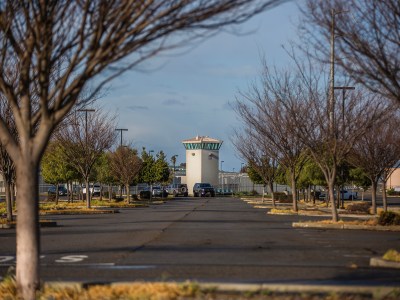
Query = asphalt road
x=205 y=239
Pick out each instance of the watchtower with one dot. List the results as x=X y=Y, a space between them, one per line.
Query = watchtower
x=202 y=160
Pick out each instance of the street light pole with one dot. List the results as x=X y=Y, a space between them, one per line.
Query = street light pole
x=222 y=179
x=120 y=130
x=86 y=120
x=88 y=194
x=173 y=159
x=344 y=89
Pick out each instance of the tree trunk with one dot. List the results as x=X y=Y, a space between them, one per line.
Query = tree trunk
x=28 y=235
x=384 y=196
x=101 y=191
x=128 y=193
x=271 y=187
x=109 y=192
x=56 y=200
x=374 y=187
x=331 y=187
x=7 y=187
x=87 y=193
x=13 y=196
x=294 y=192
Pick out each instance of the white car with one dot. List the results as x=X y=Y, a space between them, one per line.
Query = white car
x=94 y=189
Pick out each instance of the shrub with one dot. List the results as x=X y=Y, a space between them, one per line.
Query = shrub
x=389 y=218
x=106 y=194
x=392 y=255
x=282 y=197
x=358 y=207
x=391 y=192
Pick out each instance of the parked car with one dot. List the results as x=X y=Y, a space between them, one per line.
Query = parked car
x=158 y=191
x=95 y=190
x=62 y=191
x=344 y=194
x=348 y=195
x=203 y=190
x=178 y=189
x=222 y=192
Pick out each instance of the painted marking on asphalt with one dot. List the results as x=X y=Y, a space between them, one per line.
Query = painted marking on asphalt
x=129 y=267
x=356 y=255
x=4 y=259
x=71 y=258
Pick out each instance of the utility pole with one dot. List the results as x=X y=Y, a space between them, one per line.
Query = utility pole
x=120 y=130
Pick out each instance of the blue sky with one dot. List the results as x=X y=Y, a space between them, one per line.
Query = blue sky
x=188 y=94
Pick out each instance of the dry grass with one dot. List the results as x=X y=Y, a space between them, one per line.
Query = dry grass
x=140 y=290
x=170 y=291
x=392 y=255
x=283 y=211
x=369 y=222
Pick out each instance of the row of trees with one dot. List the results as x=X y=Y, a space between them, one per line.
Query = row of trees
x=56 y=55
x=296 y=115
x=81 y=151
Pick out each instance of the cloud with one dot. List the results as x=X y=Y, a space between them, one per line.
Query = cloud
x=174 y=102
x=137 y=107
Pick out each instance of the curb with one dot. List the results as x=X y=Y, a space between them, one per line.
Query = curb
x=66 y=212
x=380 y=262
x=218 y=287
x=345 y=226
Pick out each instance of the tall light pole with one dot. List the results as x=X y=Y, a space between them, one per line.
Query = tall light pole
x=331 y=106
x=86 y=120
x=120 y=130
x=173 y=159
x=344 y=89
x=331 y=100
x=222 y=178
x=88 y=194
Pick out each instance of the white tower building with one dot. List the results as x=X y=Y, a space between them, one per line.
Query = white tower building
x=202 y=157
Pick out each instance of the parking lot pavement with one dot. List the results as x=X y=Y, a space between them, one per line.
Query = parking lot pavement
x=205 y=239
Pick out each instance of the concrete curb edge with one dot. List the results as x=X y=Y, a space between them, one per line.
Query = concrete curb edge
x=344 y=226
x=380 y=262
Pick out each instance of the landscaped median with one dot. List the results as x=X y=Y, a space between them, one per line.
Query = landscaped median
x=343 y=225
x=75 y=208
x=387 y=221
x=193 y=290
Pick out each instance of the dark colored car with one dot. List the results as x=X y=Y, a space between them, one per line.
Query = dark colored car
x=203 y=190
x=159 y=192
x=62 y=191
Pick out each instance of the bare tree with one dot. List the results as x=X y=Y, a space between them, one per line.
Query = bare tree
x=125 y=166
x=7 y=166
x=328 y=129
x=377 y=152
x=263 y=110
x=368 y=42
x=83 y=139
x=251 y=148
x=61 y=47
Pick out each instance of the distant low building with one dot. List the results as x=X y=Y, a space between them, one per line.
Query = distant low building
x=394 y=180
